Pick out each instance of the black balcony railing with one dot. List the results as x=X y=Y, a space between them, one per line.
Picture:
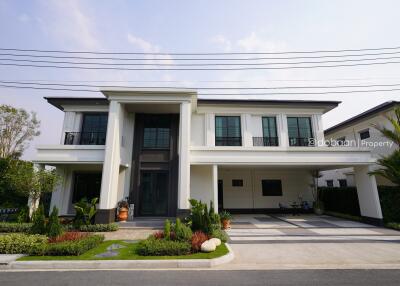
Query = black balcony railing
x=308 y=141
x=85 y=138
x=265 y=141
x=228 y=141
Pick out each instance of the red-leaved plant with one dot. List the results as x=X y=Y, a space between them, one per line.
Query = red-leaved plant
x=158 y=235
x=197 y=240
x=68 y=236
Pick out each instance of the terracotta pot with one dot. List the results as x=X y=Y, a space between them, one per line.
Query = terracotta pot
x=123 y=214
x=226 y=223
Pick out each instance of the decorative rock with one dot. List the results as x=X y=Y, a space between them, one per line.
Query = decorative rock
x=115 y=246
x=208 y=246
x=216 y=241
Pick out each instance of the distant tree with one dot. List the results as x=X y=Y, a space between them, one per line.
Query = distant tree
x=17 y=128
x=31 y=182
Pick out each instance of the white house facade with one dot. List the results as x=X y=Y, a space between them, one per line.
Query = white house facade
x=161 y=147
x=359 y=131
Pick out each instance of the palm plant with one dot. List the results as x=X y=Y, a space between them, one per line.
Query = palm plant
x=390 y=164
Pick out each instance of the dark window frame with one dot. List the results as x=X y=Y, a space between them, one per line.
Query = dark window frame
x=270 y=139
x=154 y=125
x=221 y=142
x=267 y=192
x=329 y=183
x=237 y=182
x=341 y=140
x=341 y=183
x=99 y=133
x=365 y=131
x=298 y=129
x=75 y=198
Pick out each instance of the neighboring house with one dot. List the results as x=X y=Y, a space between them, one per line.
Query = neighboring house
x=162 y=147
x=359 y=129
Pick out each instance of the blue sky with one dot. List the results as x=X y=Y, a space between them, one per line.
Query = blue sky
x=199 y=26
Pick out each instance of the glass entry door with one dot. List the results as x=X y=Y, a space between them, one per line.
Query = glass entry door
x=153 y=194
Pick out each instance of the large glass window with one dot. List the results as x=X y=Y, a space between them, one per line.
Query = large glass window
x=227 y=131
x=270 y=137
x=156 y=132
x=86 y=185
x=94 y=129
x=300 y=131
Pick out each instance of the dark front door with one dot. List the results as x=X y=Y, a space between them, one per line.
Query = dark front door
x=153 y=194
x=220 y=195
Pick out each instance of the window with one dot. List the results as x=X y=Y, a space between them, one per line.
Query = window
x=300 y=131
x=364 y=134
x=237 y=183
x=156 y=132
x=86 y=185
x=329 y=183
x=342 y=183
x=94 y=129
x=227 y=131
x=271 y=187
x=270 y=137
x=341 y=141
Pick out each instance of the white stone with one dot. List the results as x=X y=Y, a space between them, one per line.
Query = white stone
x=216 y=241
x=208 y=246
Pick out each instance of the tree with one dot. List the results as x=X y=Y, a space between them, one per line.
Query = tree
x=31 y=182
x=17 y=128
x=390 y=164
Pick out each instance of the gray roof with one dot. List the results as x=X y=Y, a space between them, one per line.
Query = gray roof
x=370 y=112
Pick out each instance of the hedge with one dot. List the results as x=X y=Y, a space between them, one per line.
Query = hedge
x=161 y=247
x=99 y=227
x=20 y=243
x=345 y=200
x=341 y=200
x=15 y=227
x=67 y=248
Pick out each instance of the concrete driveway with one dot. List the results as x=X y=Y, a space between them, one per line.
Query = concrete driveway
x=310 y=242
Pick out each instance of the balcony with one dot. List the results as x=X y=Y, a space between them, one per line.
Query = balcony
x=85 y=138
x=228 y=141
x=302 y=141
x=265 y=141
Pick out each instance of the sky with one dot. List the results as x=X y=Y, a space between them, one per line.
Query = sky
x=198 y=26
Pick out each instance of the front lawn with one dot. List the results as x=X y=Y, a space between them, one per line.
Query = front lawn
x=127 y=253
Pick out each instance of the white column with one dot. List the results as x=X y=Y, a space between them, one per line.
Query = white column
x=246 y=130
x=318 y=131
x=210 y=129
x=367 y=191
x=184 y=152
x=109 y=181
x=283 y=130
x=215 y=186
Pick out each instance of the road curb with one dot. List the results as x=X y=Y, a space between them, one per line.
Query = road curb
x=120 y=264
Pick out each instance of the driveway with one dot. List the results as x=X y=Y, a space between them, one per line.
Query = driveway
x=310 y=242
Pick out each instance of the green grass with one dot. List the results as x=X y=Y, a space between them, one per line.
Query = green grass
x=393 y=225
x=127 y=253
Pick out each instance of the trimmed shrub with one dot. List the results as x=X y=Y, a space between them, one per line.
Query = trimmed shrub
x=161 y=247
x=197 y=240
x=341 y=200
x=54 y=227
x=16 y=243
x=390 y=202
x=167 y=230
x=218 y=233
x=182 y=232
x=99 y=227
x=38 y=221
x=15 y=227
x=66 y=248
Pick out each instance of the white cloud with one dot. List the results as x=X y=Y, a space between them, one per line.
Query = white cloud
x=256 y=43
x=223 y=42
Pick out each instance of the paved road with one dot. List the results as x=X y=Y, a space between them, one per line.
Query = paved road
x=211 y=277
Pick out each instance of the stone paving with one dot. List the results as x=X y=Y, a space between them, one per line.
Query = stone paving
x=304 y=228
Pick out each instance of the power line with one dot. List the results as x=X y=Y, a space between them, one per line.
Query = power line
x=197 y=69
x=195 y=64
x=195 y=59
x=199 y=54
x=200 y=87
x=215 y=94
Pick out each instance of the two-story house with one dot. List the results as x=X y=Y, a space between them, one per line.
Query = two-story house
x=359 y=131
x=162 y=147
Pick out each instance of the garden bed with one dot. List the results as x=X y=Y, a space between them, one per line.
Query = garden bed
x=128 y=252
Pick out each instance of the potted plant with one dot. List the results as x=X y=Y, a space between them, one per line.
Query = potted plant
x=123 y=209
x=225 y=219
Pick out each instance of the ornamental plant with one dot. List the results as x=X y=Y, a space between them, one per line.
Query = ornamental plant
x=39 y=221
x=54 y=227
